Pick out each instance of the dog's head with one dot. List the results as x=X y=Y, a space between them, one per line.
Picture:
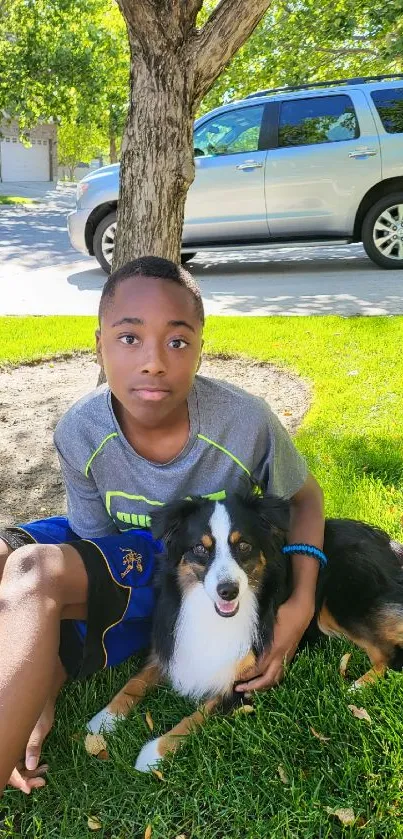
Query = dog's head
x=228 y=546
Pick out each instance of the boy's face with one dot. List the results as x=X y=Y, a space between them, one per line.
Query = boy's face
x=149 y=344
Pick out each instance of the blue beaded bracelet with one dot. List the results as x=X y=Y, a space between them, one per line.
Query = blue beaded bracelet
x=310 y=550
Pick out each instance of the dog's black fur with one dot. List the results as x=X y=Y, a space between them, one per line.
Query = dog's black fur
x=361 y=586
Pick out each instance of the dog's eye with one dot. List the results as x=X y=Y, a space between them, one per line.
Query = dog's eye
x=201 y=551
x=244 y=547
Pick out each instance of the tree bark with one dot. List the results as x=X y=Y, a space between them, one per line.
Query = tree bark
x=113 y=155
x=172 y=66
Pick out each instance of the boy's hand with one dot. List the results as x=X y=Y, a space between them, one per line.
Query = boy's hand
x=293 y=618
x=26 y=780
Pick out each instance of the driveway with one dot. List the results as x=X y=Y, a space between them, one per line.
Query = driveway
x=41 y=274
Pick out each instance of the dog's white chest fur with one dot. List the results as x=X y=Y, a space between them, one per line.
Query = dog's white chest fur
x=208 y=647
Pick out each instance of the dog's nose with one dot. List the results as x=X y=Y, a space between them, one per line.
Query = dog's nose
x=228 y=590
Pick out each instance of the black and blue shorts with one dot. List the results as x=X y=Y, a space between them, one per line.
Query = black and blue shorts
x=120 y=602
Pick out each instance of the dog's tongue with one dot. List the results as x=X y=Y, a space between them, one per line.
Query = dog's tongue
x=227 y=607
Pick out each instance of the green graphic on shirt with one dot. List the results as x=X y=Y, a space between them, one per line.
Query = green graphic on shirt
x=144 y=520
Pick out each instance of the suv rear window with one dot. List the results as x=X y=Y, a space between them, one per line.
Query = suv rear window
x=389 y=104
x=319 y=119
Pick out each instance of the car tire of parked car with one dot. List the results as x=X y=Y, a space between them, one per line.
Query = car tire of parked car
x=103 y=242
x=382 y=231
x=186 y=257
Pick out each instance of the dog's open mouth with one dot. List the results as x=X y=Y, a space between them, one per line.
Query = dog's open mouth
x=226 y=608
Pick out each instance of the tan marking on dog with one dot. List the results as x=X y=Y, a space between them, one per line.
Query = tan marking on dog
x=377 y=656
x=262 y=559
x=207 y=541
x=235 y=537
x=135 y=689
x=390 y=627
x=244 y=665
x=187 y=574
x=171 y=741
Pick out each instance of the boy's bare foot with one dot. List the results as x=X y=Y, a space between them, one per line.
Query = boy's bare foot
x=28 y=776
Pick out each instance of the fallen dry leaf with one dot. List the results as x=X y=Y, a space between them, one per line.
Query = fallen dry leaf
x=244 y=709
x=282 y=774
x=287 y=413
x=345 y=814
x=158 y=774
x=360 y=713
x=319 y=736
x=94 y=823
x=147 y=832
x=94 y=744
x=149 y=721
x=344 y=664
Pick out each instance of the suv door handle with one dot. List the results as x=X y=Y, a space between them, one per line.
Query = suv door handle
x=250 y=164
x=364 y=152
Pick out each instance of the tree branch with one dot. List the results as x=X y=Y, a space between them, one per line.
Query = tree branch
x=227 y=28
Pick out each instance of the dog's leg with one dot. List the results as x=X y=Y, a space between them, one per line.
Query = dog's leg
x=118 y=708
x=378 y=654
x=155 y=750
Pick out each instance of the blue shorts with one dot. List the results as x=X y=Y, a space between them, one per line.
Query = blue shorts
x=120 y=602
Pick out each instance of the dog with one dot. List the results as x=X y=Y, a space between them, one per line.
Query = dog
x=219 y=587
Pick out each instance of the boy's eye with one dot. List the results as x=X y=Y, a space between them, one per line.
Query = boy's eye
x=178 y=343
x=200 y=551
x=128 y=339
x=244 y=548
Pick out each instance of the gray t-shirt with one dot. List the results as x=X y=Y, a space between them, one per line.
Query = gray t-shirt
x=111 y=488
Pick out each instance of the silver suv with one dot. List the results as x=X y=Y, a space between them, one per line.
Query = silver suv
x=319 y=163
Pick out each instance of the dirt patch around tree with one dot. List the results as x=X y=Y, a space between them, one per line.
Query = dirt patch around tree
x=34 y=397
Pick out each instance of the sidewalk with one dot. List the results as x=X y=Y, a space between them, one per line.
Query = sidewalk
x=45 y=192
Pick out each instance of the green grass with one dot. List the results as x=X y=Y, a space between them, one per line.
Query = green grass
x=16 y=199
x=225 y=782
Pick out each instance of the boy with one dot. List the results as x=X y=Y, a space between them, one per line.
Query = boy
x=156 y=432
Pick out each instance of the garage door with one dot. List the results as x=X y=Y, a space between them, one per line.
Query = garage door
x=19 y=163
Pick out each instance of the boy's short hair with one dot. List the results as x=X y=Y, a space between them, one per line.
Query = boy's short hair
x=152 y=266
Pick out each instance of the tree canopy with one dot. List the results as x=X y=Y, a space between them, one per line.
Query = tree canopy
x=69 y=60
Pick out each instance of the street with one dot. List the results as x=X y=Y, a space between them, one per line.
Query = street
x=41 y=274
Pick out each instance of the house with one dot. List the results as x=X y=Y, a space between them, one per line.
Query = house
x=20 y=162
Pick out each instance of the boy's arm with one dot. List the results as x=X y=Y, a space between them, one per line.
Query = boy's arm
x=294 y=616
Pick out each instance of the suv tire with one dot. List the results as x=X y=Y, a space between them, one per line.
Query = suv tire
x=103 y=242
x=383 y=221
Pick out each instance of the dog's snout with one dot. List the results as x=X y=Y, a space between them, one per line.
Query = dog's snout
x=228 y=590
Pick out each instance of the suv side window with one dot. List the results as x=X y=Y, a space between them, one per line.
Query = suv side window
x=389 y=104
x=233 y=132
x=319 y=119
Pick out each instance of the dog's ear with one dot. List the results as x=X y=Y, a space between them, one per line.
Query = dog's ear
x=166 y=520
x=272 y=511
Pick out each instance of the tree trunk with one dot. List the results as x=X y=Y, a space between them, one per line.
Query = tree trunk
x=173 y=65
x=113 y=155
x=157 y=158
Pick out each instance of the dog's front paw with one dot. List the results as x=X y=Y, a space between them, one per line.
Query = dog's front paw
x=149 y=756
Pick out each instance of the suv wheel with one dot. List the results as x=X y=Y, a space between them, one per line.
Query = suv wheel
x=186 y=257
x=104 y=241
x=382 y=231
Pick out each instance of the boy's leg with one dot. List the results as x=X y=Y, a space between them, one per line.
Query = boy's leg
x=40 y=586
x=46 y=718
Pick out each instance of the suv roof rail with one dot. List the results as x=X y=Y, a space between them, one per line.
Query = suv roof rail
x=358 y=80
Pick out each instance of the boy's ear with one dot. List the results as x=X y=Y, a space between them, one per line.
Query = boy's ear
x=166 y=521
x=200 y=357
x=98 y=347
